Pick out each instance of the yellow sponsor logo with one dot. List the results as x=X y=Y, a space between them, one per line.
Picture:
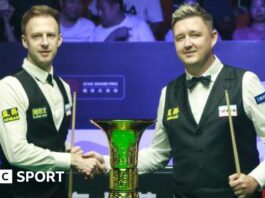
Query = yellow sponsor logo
x=38 y=113
x=172 y=113
x=10 y=115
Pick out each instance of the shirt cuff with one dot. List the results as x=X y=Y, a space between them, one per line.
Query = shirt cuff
x=62 y=160
x=259 y=174
x=107 y=163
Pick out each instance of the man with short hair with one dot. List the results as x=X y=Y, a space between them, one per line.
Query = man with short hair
x=35 y=107
x=192 y=123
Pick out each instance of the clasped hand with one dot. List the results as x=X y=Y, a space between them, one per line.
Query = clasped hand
x=89 y=163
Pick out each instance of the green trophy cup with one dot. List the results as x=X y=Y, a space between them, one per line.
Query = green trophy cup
x=123 y=137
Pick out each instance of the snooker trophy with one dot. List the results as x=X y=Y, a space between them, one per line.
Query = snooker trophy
x=123 y=138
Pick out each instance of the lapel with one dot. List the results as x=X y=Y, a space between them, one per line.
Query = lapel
x=181 y=93
x=217 y=94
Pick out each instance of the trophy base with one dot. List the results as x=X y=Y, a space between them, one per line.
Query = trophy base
x=123 y=195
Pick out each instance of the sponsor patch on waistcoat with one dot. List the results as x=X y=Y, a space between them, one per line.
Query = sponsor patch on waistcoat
x=68 y=109
x=10 y=115
x=260 y=98
x=223 y=110
x=172 y=113
x=38 y=113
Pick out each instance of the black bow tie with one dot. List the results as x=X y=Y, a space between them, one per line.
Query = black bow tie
x=205 y=80
x=49 y=80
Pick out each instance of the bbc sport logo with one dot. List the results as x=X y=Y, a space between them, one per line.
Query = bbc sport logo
x=6 y=176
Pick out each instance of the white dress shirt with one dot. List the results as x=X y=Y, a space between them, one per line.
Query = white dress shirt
x=157 y=155
x=82 y=31
x=13 y=134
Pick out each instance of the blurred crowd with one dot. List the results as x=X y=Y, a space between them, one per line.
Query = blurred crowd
x=135 y=20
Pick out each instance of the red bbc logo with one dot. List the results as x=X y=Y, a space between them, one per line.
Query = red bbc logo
x=6 y=176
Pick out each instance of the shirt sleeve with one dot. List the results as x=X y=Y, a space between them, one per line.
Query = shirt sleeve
x=13 y=132
x=157 y=155
x=255 y=110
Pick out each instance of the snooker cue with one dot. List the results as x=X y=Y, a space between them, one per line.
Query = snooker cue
x=232 y=132
x=70 y=181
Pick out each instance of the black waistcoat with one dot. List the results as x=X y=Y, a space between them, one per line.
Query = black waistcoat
x=41 y=132
x=202 y=153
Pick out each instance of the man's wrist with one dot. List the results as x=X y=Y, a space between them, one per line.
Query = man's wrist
x=258 y=187
x=74 y=160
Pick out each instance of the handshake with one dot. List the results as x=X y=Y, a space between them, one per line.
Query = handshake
x=89 y=163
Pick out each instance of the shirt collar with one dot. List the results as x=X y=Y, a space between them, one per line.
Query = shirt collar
x=213 y=70
x=35 y=71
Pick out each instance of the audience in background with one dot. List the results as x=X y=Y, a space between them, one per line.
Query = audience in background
x=117 y=26
x=150 y=11
x=256 y=31
x=78 y=19
x=242 y=16
x=147 y=10
x=6 y=27
x=74 y=28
